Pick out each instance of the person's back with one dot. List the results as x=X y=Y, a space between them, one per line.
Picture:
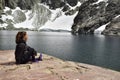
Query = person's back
x=19 y=52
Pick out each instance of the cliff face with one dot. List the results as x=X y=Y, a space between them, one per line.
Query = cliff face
x=27 y=4
x=95 y=13
x=113 y=28
x=23 y=4
x=59 y=3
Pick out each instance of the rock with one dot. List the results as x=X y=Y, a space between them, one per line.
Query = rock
x=66 y=8
x=53 y=4
x=40 y=15
x=113 y=28
x=93 y=15
x=19 y=16
x=72 y=2
x=1 y=7
x=51 y=68
x=23 y=4
x=72 y=11
x=26 y=4
x=11 y=3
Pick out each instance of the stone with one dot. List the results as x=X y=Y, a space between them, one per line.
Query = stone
x=66 y=8
x=72 y=2
x=19 y=16
x=51 y=68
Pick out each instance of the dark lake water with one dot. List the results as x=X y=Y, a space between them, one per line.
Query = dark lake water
x=97 y=50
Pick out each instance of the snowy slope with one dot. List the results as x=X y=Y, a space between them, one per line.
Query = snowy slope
x=62 y=23
x=56 y=19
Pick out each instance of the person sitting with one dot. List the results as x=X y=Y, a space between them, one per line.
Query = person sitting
x=23 y=52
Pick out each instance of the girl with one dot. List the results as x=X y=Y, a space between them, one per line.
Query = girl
x=24 y=53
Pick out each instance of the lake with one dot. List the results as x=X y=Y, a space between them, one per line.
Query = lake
x=97 y=50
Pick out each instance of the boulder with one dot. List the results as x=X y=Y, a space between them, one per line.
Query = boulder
x=19 y=16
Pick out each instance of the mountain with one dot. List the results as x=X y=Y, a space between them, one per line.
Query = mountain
x=80 y=16
x=98 y=14
x=39 y=14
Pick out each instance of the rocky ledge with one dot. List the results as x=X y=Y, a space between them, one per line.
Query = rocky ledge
x=51 y=68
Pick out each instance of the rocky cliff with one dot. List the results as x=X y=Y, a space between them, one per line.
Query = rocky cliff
x=95 y=13
x=28 y=4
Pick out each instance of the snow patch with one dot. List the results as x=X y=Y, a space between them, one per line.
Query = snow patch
x=55 y=14
x=117 y=16
x=6 y=9
x=3 y=25
x=100 y=1
x=100 y=29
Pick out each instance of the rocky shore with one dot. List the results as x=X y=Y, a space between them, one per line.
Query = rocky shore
x=51 y=68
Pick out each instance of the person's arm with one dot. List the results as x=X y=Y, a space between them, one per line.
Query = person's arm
x=32 y=50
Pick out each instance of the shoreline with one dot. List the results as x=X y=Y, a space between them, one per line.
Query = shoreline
x=51 y=68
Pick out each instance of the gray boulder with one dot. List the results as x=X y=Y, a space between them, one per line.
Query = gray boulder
x=19 y=16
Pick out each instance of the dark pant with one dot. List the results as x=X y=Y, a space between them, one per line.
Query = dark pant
x=29 y=56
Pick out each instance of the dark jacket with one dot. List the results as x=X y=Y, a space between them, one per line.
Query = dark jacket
x=24 y=53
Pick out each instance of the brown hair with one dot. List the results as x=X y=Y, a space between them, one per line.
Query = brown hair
x=20 y=36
